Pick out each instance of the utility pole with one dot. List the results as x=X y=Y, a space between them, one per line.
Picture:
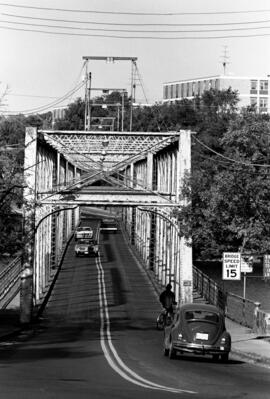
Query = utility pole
x=87 y=111
x=123 y=110
x=87 y=116
x=85 y=96
x=133 y=88
x=225 y=60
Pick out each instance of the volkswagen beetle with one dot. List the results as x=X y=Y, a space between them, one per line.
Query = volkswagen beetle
x=199 y=329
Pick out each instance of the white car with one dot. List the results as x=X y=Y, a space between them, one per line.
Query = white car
x=86 y=247
x=84 y=232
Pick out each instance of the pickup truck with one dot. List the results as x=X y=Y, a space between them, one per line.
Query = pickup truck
x=86 y=247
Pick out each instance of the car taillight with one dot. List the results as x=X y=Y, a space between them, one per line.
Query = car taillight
x=180 y=337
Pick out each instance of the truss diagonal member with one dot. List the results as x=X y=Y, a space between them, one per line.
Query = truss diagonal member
x=153 y=148
x=64 y=148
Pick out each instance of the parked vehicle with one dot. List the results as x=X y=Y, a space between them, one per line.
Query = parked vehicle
x=84 y=232
x=108 y=225
x=86 y=247
x=198 y=329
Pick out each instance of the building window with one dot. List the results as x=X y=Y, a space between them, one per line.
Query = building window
x=171 y=91
x=253 y=102
x=182 y=90
x=263 y=104
x=264 y=87
x=193 y=88
x=165 y=92
x=253 y=86
x=177 y=91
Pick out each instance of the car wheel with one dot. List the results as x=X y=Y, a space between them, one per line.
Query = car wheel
x=215 y=358
x=172 y=352
x=224 y=357
x=76 y=254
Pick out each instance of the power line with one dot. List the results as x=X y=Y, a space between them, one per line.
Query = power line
x=43 y=108
x=229 y=159
x=135 y=13
x=46 y=107
x=137 y=37
x=137 y=30
x=30 y=95
x=134 y=24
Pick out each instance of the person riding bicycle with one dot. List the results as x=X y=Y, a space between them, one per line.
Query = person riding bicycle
x=167 y=299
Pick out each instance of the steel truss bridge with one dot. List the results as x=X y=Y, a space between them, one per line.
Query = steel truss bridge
x=136 y=175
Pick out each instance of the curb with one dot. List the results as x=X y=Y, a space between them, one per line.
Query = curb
x=252 y=358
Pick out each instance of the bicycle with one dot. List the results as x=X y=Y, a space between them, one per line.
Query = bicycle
x=164 y=319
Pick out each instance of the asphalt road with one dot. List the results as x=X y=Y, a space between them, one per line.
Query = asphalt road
x=97 y=339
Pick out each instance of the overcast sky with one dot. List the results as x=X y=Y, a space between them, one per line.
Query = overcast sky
x=40 y=68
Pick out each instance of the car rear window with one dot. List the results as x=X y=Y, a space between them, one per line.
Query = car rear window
x=202 y=315
x=85 y=242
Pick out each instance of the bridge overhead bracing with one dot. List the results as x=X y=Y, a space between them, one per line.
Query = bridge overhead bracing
x=109 y=150
x=139 y=174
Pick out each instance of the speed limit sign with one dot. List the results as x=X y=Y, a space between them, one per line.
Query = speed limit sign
x=231 y=269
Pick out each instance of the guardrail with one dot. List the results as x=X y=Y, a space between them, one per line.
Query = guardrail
x=243 y=311
x=10 y=282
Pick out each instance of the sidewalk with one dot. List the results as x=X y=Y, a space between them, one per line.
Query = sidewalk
x=248 y=345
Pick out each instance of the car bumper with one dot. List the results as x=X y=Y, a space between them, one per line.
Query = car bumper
x=82 y=252
x=200 y=349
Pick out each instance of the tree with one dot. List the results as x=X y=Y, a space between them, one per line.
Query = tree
x=11 y=182
x=229 y=201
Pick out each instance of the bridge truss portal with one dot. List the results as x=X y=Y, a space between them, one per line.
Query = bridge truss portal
x=138 y=175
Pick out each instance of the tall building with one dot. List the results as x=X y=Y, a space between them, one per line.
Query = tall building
x=251 y=90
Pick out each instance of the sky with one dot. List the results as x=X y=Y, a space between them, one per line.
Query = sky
x=43 y=43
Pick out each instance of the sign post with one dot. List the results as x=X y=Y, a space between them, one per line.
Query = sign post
x=246 y=267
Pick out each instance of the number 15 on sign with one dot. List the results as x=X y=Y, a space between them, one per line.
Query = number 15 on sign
x=231 y=269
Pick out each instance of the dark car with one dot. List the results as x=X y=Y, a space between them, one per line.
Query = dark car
x=198 y=329
x=108 y=225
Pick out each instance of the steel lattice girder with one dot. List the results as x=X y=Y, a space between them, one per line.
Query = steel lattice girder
x=91 y=150
x=108 y=197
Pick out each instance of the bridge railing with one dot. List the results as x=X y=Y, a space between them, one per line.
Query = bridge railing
x=10 y=280
x=241 y=310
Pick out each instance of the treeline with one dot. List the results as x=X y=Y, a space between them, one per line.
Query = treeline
x=228 y=188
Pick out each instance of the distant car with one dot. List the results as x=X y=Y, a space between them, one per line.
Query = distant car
x=84 y=232
x=108 y=225
x=198 y=329
x=86 y=247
